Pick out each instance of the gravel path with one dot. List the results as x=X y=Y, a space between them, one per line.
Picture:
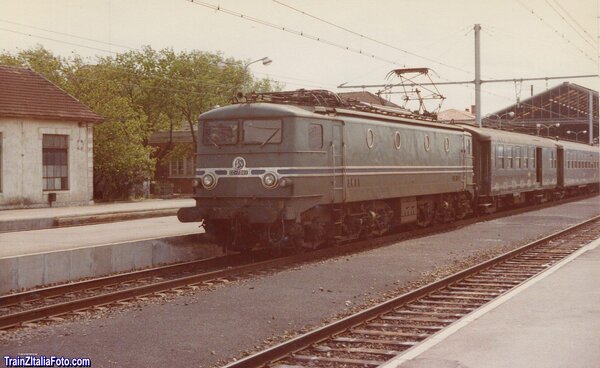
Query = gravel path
x=208 y=327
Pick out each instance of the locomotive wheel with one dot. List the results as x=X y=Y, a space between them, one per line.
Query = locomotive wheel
x=425 y=215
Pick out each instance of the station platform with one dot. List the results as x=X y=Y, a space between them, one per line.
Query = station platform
x=45 y=257
x=50 y=217
x=550 y=321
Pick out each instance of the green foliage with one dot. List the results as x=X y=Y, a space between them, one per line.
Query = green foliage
x=138 y=93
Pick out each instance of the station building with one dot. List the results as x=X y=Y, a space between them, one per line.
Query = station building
x=46 y=143
x=567 y=111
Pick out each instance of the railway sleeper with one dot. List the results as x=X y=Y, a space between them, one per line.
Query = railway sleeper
x=468 y=293
x=360 y=340
x=429 y=314
x=325 y=349
x=405 y=326
x=439 y=302
x=388 y=333
x=460 y=297
x=306 y=358
x=441 y=309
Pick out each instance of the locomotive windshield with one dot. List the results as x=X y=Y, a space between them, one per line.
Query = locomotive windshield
x=220 y=132
x=217 y=133
x=261 y=131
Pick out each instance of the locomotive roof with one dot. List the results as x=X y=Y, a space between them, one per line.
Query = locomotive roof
x=270 y=110
x=256 y=110
x=487 y=134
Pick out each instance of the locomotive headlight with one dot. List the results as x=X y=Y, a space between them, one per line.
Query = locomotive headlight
x=269 y=180
x=209 y=181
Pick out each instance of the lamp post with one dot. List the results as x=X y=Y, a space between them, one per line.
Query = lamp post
x=576 y=134
x=265 y=61
x=510 y=114
x=538 y=126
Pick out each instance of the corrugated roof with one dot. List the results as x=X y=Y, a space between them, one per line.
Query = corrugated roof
x=456 y=115
x=25 y=93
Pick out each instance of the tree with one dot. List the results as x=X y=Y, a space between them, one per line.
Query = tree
x=139 y=92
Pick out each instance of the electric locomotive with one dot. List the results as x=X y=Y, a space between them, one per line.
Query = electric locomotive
x=304 y=168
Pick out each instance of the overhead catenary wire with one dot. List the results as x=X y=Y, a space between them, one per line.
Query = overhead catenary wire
x=265 y=23
x=569 y=24
x=285 y=79
x=592 y=38
x=371 y=38
x=556 y=31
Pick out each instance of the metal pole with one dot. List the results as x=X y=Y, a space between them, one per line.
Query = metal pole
x=477 y=28
x=591 y=117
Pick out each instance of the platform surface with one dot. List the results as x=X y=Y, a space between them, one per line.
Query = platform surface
x=50 y=240
x=96 y=209
x=554 y=322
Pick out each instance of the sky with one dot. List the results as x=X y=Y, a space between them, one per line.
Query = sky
x=359 y=41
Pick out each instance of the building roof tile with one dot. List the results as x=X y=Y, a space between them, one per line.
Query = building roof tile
x=27 y=94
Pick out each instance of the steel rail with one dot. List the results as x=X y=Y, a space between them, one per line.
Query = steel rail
x=306 y=340
x=284 y=259
x=95 y=283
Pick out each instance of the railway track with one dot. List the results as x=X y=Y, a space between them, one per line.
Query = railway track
x=75 y=298
x=373 y=336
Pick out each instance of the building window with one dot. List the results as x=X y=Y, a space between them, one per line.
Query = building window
x=315 y=136
x=55 y=162
x=181 y=166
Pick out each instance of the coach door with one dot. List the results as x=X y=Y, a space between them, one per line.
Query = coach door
x=560 y=166
x=538 y=165
x=467 y=161
x=338 y=190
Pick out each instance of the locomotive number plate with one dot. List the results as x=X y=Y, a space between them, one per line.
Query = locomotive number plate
x=238 y=172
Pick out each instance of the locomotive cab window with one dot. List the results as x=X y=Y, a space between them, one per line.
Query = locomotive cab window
x=315 y=136
x=261 y=131
x=216 y=133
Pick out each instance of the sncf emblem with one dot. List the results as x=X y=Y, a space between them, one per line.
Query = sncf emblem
x=239 y=163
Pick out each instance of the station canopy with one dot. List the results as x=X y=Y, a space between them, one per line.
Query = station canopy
x=566 y=104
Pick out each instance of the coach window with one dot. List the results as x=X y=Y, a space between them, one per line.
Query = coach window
x=499 y=156
x=533 y=157
x=427 y=143
x=517 y=157
x=509 y=157
x=468 y=146
x=447 y=144
x=526 y=157
x=315 y=136
x=55 y=158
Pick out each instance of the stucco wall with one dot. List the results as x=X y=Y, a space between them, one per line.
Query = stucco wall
x=22 y=163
